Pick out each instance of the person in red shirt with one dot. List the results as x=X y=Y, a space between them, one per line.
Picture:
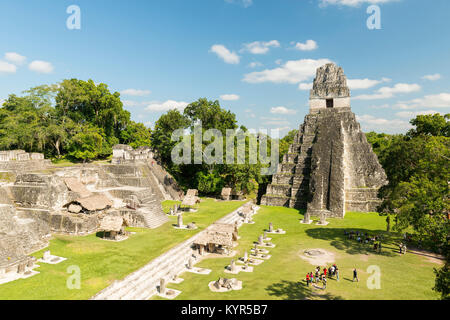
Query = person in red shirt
x=325 y=272
x=307 y=279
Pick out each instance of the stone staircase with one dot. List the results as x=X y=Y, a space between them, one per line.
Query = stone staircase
x=142 y=284
x=290 y=184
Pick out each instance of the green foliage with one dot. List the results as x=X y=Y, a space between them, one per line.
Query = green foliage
x=75 y=118
x=442 y=283
x=417 y=166
x=286 y=141
x=162 y=134
x=211 y=115
x=430 y=125
x=84 y=101
x=136 y=135
x=209 y=183
x=86 y=144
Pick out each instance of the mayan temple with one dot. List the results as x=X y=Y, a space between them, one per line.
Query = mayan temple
x=330 y=167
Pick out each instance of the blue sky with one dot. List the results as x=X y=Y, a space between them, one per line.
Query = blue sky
x=256 y=56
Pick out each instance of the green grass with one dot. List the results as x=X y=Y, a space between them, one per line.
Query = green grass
x=101 y=262
x=408 y=276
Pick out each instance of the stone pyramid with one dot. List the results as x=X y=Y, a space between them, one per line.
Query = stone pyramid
x=330 y=167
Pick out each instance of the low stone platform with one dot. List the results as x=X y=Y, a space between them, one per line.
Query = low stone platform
x=12 y=276
x=52 y=260
x=199 y=270
x=213 y=288
x=169 y=294
x=238 y=268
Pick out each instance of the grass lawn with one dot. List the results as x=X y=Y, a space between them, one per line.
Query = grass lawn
x=101 y=262
x=408 y=276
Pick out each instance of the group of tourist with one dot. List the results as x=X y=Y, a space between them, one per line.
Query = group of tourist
x=320 y=275
x=365 y=238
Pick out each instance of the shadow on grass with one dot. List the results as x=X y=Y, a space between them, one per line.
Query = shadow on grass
x=351 y=246
x=291 y=290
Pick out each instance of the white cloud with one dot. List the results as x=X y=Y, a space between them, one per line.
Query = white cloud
x=229 y=97
x=356 y=84
x=383 y=106
x=135 y=92
x=166 y=106
x=15 y=58
x=432 y=77
x=305 y=86
x=278 y=61
x=276 y=122
x=225 y=54
x=282 y=110
x=441 y=100
x=352 y=3
x=41 y=66
x=389 y=92
x=6 y=67
x=309 y=45
x=369 y=122
x=260 y=47
x=293 y=71
x=413 y=114
x=132 y=103
x=255 y=64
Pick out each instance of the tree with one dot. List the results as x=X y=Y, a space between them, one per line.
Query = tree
x=285 y=142
x=162 y=134
x=418 y=192
x=211 y=115
x=85 y=102
x=87 y=144
x=430 y=125
x=442 y=282
x=136 y=135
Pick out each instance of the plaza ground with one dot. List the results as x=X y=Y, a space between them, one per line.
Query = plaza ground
x=101 y=262
x=407 y=276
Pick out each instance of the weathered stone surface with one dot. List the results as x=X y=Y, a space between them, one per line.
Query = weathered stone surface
x=19 y=236
x=330 y=167
x=73 y=208
x=330 y=82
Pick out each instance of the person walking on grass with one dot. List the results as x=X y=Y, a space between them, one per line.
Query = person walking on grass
x=355 y=275
x=307 y=279
x=324 y=281
x=337 y=273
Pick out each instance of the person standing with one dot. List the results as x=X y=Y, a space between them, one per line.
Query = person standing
x=337 y=273
x=324 y=281
x=307 y=279
x=355 y=275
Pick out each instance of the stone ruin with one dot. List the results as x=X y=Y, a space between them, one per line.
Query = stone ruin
x=224 y=285
x=123 y=153
x=37 y=200
x=226 y=194
x=330 y=167
x=19 y=160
